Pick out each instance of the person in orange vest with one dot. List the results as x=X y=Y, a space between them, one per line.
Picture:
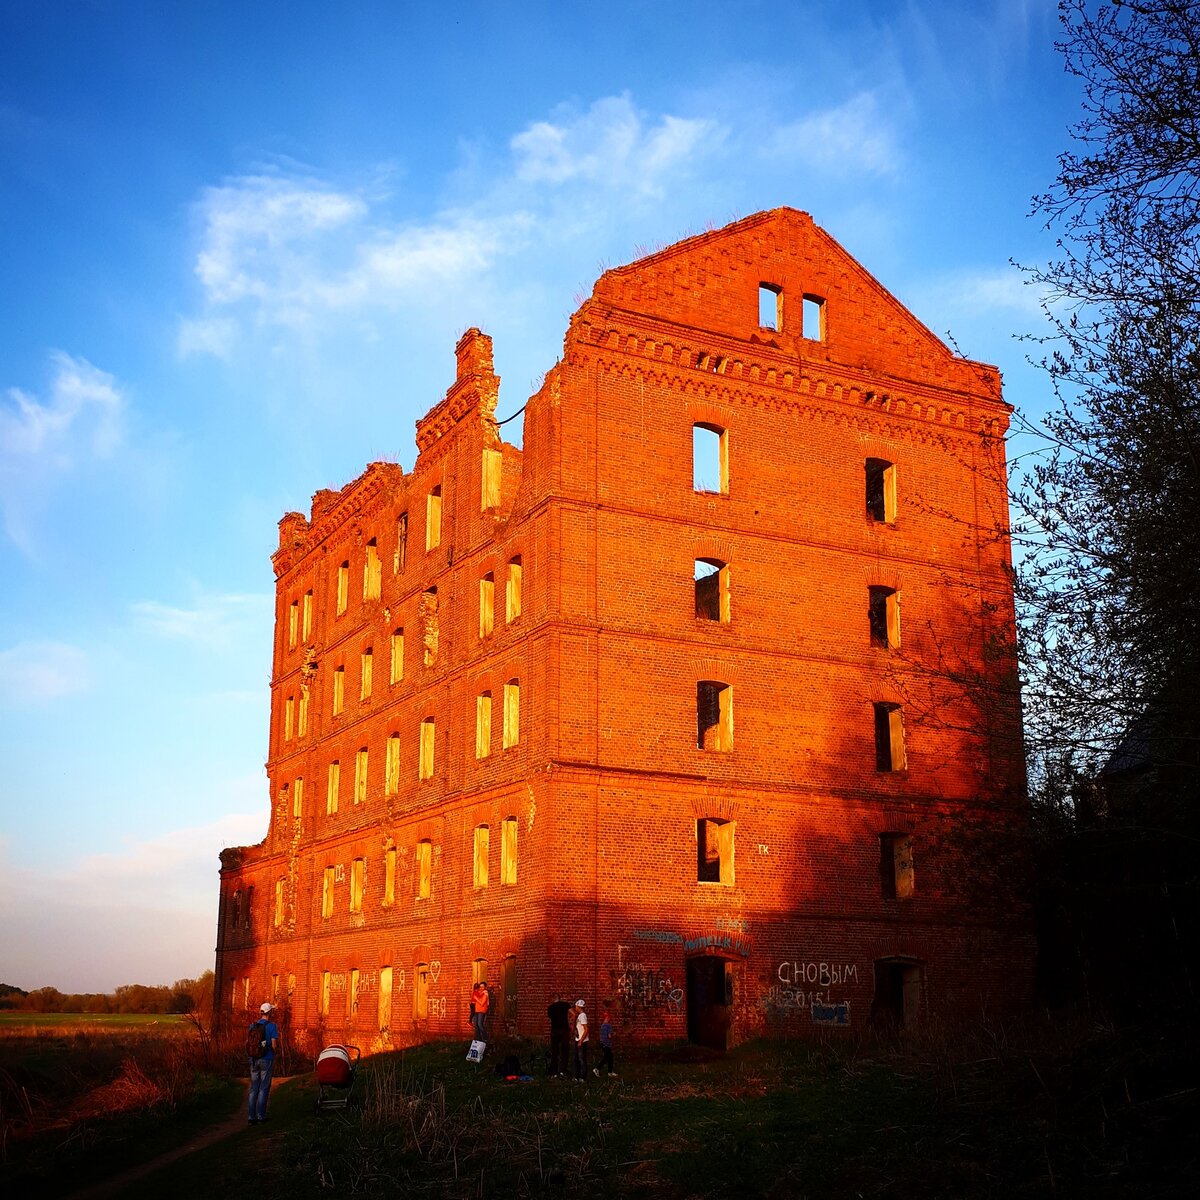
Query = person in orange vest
x=480 y=1000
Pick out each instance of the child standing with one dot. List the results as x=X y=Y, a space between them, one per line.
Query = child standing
x=606 y=1043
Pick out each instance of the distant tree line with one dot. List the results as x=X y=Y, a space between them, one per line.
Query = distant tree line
x=184 y=996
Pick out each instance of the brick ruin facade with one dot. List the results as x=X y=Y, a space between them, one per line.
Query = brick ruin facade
x=703 y=701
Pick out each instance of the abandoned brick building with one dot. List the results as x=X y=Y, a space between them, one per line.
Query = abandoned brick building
x=702 y=701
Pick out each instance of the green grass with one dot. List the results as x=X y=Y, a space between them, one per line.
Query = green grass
x=21 y=1022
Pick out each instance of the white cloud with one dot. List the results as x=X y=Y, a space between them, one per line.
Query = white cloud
x=852 y=137
x=36 y=672
x=82 y=413
x=1003 y=289
x=206 y=335
x=210 y=621
x=612 y=146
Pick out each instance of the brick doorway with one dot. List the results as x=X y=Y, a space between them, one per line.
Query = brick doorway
x=897 y=1001
x=709 y=1001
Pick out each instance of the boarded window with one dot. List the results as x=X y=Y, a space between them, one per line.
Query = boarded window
x=298 y=798
x=433 y=519
x=710 y=459
x=480 y=874
x=327 y=883
x=343 y=587
x=400 y=557
x=512 y=713
x=424 y=869
x=280 y=884
x=360 y=776
x=814 y=318
x=396 y=666
x=881 y=490
x=712 y=589
x=883 y=614
x=493 y=466
x=421 y=993
x=429 y=624
x=372 y=572
x=770 y=306
x=889 y=738
x=508 y=851
x=483 y=725
x=358 y=875
x=293 y=623
x=326 y=992
x=389 y=875
x=428 y=736
x=714 y=715
x=385 y=1000
x=367 y=674
x=289 y=712
x=302 y=715
x=714 y=851
x=333 y=787
x=487 y=604
x=479 y=970
x=352 y=994
x=307 y=620
x=896 y=866
x=339 y=690
x=512 y=591
x=391 y=765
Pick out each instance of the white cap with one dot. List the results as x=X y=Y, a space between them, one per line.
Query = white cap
x=266 y=1007
x=578 y=1003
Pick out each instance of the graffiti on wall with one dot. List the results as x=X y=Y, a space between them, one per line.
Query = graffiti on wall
x=807 y=986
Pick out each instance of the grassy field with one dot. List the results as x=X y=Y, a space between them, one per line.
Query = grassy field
x=1059 y=1112
x=23 y=1023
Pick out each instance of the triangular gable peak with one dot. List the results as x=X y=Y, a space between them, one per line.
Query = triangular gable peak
x=830 y=308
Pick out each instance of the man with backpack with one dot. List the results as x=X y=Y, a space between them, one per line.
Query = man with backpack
x=262 y=1040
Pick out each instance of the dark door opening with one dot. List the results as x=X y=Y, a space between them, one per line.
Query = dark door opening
x=709 y=1001
x=897 y=1001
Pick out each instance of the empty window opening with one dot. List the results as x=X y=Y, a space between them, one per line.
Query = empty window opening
x=248 y=909
x=360 y=776
x=385 y=999
x=508 y=988
x=306 y=620
x=333 y=787
x=433 y=518
x=714 y=715
x=302 y=714
x=343 y=587
x=424 y=869
x=396 y=665
x=421 y=993
x=391 y=765
x=487 y=604
x=710 y=459
x=428 y=735
x=480 y=873
x=883 y=614
x=714 y=851
x=770 y=306
x=372 y=572
x=339 y=690
x=400 y=557
x=896 y=866
x=327 y=885
x=429 y=624
x=711 y=362
x=814 y=319
x=293 y=623
x=889 y=738
x=881 y=490
x=512 y=713
x=483 y=725
x=508 y=851
x=235 y=910
x=358 y=877
x=489 y=492
x=366 y=678
x=512 y=590
x=896 y=1004
x=289 y=710
x=479 y=970
x=712 y=590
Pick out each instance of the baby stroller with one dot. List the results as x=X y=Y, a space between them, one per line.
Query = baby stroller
x=335 y=1076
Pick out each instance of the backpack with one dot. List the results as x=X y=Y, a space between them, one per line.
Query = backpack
x=256 y=1039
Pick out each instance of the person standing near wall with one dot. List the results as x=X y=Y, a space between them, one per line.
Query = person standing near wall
x=262 y=1043
x=581 y=1041
x=560 y=1035
x=606 y=1044
x=480 y=1001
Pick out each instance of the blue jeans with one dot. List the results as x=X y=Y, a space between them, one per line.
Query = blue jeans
x=260 y=1087
x=479 y=1018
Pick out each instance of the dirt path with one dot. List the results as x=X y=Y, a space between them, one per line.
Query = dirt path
x=118 y=1183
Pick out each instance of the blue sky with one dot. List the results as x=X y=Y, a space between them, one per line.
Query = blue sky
x=238 y=243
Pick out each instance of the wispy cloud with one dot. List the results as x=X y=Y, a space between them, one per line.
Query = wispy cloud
x=851 y=137
x=999 y=290
x=38 y=672
x=211 y=620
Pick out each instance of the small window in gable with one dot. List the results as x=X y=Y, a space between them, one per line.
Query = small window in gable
x=710 y=459
x=425 y=762
x=714 y=851
x=433 y=518
x=487 y=604
x=881 y=490
x=493 y=466
x=396 y=672
x=889 y=738
x=343 y=587
x=512 y=591
x=714 y=715
x=372 y=572
x=712 y=590
x=483 y=725
x=770 y=306
x=814 y=319
x=896 y=866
